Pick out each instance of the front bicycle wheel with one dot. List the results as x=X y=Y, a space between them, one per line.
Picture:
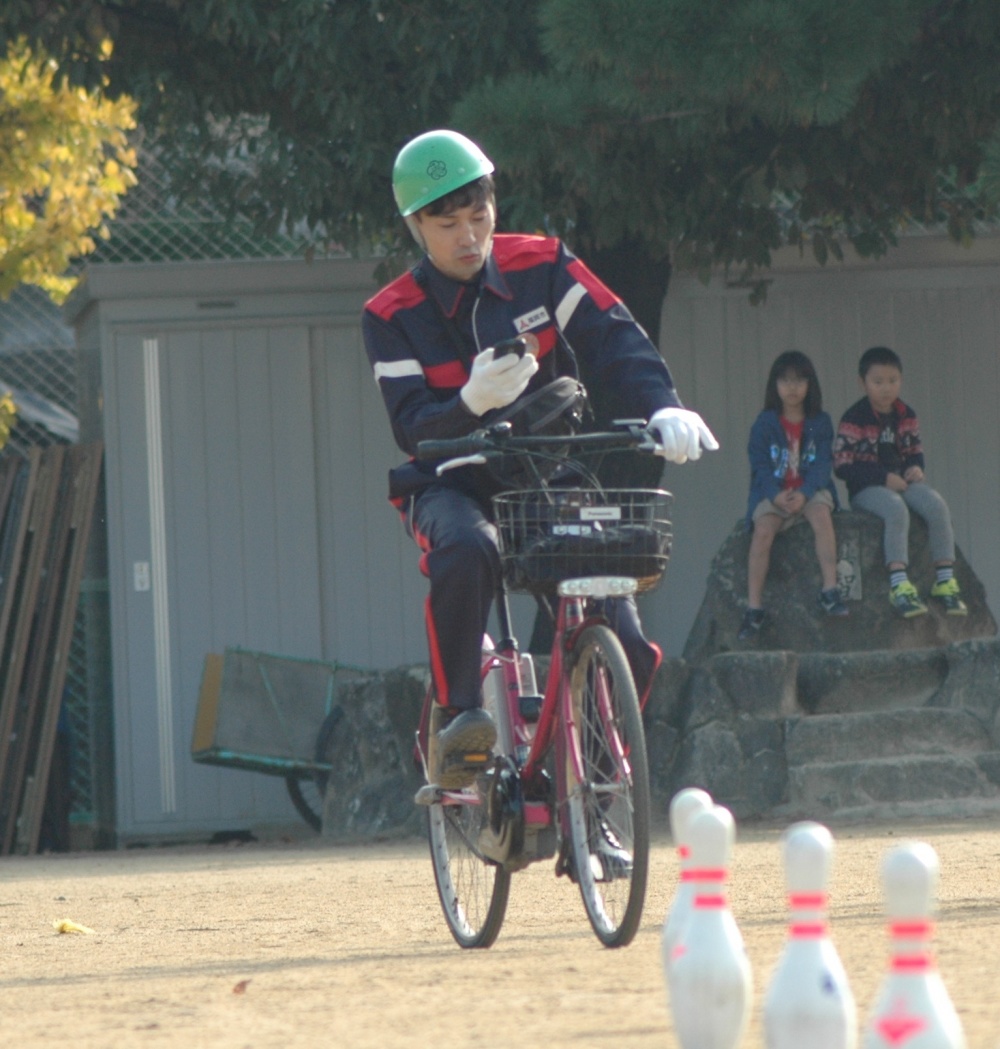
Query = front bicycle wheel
x=473 y=890
x=608 y=798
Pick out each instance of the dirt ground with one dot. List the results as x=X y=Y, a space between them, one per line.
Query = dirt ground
x=305 y=944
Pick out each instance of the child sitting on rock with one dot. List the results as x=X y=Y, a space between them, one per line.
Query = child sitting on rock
x=790 y=451
x=879 y=456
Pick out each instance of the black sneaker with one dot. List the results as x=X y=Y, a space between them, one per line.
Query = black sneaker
x=753 y=620
x=830 y=602
x=459 y=745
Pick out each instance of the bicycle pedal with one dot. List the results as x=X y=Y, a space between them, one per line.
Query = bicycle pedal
x=471 y=759
x=429 y=794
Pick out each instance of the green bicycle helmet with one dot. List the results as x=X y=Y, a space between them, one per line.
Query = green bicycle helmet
x=432 y=165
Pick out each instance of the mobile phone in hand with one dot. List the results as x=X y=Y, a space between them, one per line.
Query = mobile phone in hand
x=518 y=345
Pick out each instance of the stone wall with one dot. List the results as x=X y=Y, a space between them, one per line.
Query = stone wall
x=819 y=718
x=769 y=734
x=881 y=734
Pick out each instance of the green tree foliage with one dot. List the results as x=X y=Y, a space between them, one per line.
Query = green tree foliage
x=64 y=164
x=706 y=131
x=291 y=111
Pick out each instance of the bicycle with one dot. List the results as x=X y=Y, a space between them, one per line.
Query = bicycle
x=568 y=776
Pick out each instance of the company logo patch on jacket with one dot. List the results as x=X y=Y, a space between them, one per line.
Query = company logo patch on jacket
x=527 y=321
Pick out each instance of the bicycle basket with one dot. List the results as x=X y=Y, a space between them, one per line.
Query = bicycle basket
x=550 y=535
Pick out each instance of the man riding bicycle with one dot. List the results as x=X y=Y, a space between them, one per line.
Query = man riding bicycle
x=430 y=336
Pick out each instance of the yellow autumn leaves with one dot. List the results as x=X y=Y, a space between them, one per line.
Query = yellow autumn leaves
x=65 y=163
x=8 y=416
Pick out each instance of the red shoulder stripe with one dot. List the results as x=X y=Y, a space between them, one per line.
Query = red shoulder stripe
x=403 y=293
x=521 y=251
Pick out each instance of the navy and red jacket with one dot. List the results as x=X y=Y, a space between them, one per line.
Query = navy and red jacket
x=422 y=330
x=855 y=451
x=767 y=448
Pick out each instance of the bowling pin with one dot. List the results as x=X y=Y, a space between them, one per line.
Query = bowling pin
x=684 y=806
x=809 y=1001
x=708 y=976
x=912 y=1010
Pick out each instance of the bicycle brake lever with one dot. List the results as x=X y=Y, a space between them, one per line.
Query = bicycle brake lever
x=649 y=444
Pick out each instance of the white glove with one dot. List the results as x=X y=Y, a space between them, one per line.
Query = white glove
x=682 y=434
x=495 y=384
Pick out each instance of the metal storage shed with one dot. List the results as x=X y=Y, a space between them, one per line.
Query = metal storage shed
x=246 y=454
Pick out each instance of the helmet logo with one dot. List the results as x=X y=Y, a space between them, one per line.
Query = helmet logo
x=437 y=169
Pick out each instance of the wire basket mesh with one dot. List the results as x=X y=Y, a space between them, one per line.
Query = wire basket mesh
x=548 y=535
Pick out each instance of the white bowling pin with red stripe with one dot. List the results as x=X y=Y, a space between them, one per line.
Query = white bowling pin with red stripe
x=708 y=974
x=684 y=806
x=913 y=1010
x=809 y=1004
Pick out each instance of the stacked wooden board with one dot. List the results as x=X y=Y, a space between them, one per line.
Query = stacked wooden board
x=46 y=508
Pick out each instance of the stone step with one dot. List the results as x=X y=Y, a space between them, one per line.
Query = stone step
x=827 y=788
x=829 y=738
x=855 y=682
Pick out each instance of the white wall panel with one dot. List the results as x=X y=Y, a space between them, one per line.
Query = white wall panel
x=371 y=587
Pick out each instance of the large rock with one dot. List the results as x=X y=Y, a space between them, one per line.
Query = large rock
x=795 y=622
x=741 y=764
x=373 y=776
x=720 y=726
x=663 y=720
x=815 y=735
x=769 y=734
x=874 y=715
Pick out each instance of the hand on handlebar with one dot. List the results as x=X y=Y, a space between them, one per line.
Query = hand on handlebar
x=496 y=383
x=682 y=434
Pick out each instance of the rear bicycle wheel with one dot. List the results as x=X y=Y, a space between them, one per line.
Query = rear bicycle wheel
x=609 y=802
x=306 y=795
x=308 y=790
x=472 y=889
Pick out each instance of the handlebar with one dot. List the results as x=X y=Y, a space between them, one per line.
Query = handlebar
x=497 y=441
x=455 y=447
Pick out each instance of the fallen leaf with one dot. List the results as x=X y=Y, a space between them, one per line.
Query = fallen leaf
x=68 y=925
x=241 y=987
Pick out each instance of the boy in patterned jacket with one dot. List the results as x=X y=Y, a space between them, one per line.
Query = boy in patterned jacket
x=878 y=454
x=430 y=336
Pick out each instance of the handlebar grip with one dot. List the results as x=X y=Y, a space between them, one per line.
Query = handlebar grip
x=452 y=447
